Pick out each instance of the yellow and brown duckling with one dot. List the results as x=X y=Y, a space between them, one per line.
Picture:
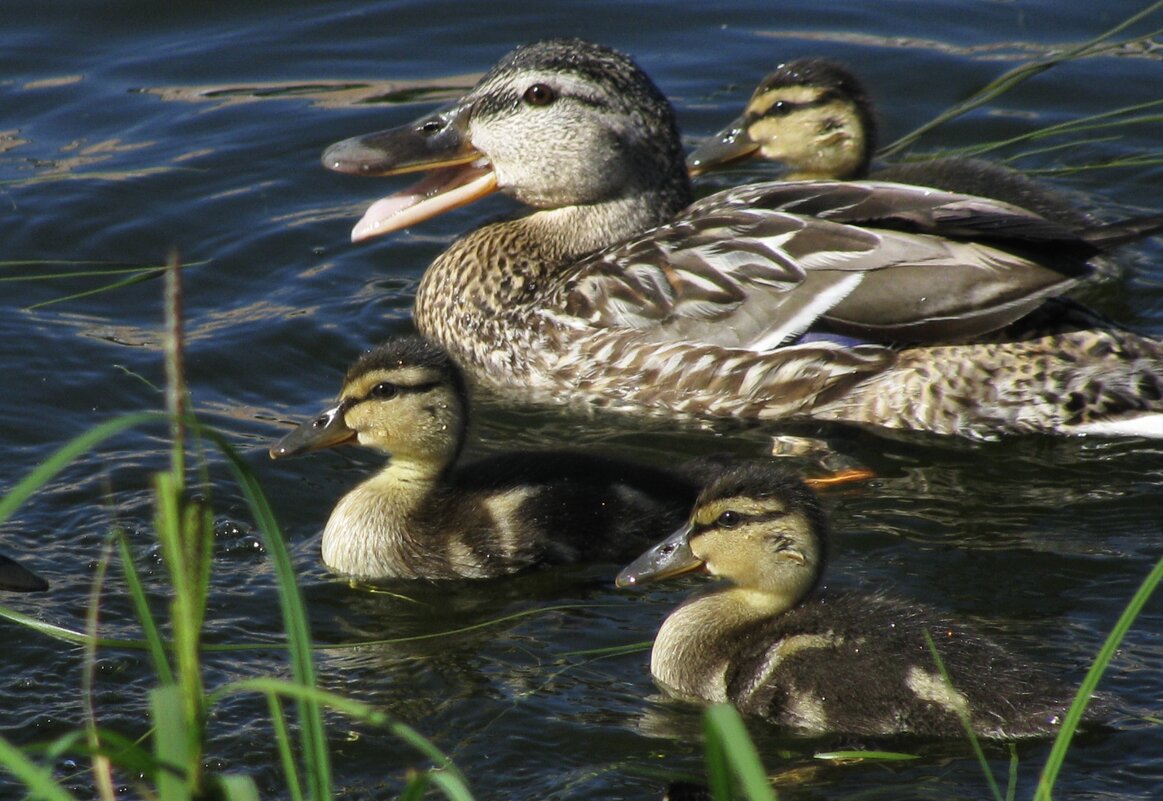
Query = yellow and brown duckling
x=855 y=302
x=429 y=515
x=814 y=117
x=776 y=647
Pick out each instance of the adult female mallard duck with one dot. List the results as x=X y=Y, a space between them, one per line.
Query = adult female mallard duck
x=776 y=647
x=770 y=301
x=428 y=515
x=814 y=117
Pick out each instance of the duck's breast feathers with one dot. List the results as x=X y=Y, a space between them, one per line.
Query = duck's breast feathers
x=888 y=262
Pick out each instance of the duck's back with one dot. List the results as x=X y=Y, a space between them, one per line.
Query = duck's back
x=860 y=665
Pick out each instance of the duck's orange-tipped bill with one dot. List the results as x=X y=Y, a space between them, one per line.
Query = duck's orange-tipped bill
x=440 y=191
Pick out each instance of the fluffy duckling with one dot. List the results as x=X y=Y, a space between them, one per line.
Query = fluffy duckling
x=817 y=662
x=854 y=302
x=815 y=117
x=428 y=515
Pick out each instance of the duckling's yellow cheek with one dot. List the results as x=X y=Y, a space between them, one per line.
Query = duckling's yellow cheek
x=835 y=138
x=767 y=132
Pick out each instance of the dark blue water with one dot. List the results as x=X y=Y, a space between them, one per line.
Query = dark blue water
x=130 y=129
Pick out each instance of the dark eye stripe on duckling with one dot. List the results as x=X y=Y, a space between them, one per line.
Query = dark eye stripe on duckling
x=787 y=100
x=386 y=390
x=739 y=512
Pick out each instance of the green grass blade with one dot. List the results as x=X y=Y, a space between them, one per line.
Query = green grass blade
x=286 y=752
x=153 y=638
x=1114 y=118
x=238 y=788
x=37 y=780
x=125 y=282
x=68 y=453
x=171 y=742
x=452 y=785
x=729 y=743
x=130 y=755
x=1012 y=787
x=415 y=788
x=718 y=771
x=77 y=274
x=316 y=757
x=49 y=629
x=355 y=710
x=963 y=714
x=80 y=638
x=1018 y=75
x=101 y=770
x=1089 y=684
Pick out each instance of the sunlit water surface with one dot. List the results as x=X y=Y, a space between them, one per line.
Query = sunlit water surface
x=127 y=130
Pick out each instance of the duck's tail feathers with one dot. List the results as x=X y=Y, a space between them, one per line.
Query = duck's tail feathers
x=1112 y=235
x=1148 y=424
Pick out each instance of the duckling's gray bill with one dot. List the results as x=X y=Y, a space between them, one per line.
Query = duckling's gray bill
x=671 y=557
x=325 y=431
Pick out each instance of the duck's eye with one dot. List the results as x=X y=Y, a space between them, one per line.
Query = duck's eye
x=383 y=390
x=779 y=108
x=539 y=94
x=729 y=519
x=429 y=127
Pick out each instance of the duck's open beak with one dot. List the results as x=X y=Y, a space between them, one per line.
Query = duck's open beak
x=325 y=431
x=437 y=143
x=671 y=557
x=730 y=144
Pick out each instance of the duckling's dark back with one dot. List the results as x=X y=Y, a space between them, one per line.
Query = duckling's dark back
x=860 y=665
x=568 y=506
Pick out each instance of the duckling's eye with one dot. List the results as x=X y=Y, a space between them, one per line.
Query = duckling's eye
x=779 y=108
x=539 y=94
x=729 y=519
x=384 y=390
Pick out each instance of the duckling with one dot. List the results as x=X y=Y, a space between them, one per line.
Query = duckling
x=815 y=117
x=828 y=301
x=428 y=515
x=777 y=647
x=15 y=577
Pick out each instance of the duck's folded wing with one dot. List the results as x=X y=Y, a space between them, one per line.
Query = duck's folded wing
x=738 y=274
x=913 y=209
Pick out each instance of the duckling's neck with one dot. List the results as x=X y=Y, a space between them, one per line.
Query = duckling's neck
x=695 y=645
x=478 y=298
x=373 y=530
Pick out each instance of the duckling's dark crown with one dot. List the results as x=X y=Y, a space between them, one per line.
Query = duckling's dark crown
x=762 y=479
x=827 y=74
x=408 y=351
x=813 y=72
